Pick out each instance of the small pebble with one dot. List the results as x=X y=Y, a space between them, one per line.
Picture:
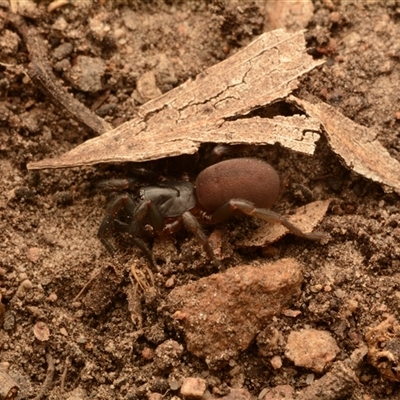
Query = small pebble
x=87 y=73
x=146 y=88
x=193 y=388
x=9 y=321
x=174 y=384
x=291 y=313
x=62 y=51
x=155 y=396
x=276 y=362
x=33 y=254
x=280 y=392
x=147 y=353
x=170 y=282
x=52 y=297
x=23 y=288
x=41 y=331
x=311 y=348
x=22 y=276
x=310 y=379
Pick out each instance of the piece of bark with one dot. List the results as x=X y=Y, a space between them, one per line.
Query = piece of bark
x=356 y=145
x=305 y=218
x=213 y=108
x=40 y=73
x=8 y=387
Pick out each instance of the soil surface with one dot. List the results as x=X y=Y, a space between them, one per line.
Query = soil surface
x=74 y=321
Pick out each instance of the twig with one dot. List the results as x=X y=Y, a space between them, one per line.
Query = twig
x=49 y=377
x=95 y=274
x=64 y=374
x=41 y=75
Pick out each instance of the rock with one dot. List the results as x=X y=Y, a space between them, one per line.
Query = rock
x=236 y=394
x=77 y=394
x=193 y=388
x=269 y=340
x=280 y=392
x=86 y=74
x=147 y=88
x=41 y=331
x=339 y=383
x=63 y=50
x=130 y=19
x=155 y=396
x=221 y=314
x=167 y=355
x=311 y=349
x=9 y=42
x=276 y=362
x=292 y=15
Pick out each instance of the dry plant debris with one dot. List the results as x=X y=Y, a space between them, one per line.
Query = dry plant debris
x=49 y=377
x=356 y=145
x=384 y=348
x=102 y=289
x=213 y=108
x=42 y=75
x=8 y=387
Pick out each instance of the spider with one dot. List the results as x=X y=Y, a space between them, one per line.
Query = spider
x=247 y=186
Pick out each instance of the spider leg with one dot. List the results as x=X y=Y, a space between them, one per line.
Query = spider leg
x=114 y=207
x=116 y=184
x=136 y=213
x=192 y=224
x=248 y=208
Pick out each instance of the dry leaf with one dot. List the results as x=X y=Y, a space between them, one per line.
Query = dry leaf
x=213 y=108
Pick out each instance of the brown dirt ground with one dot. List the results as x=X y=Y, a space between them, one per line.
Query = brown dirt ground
x=49 y=219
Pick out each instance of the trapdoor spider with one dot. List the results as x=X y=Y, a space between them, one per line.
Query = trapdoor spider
x=243 y=185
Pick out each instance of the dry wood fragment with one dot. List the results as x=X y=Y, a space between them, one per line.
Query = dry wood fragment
x=64 y=374
x=356 y=145
x=8 y=387
x=49 y=377
x=214 y=108
x=306 y=218
x=384 y=348
x=40 y=73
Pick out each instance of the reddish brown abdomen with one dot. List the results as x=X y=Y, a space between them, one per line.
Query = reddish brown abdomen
x=240 y=178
